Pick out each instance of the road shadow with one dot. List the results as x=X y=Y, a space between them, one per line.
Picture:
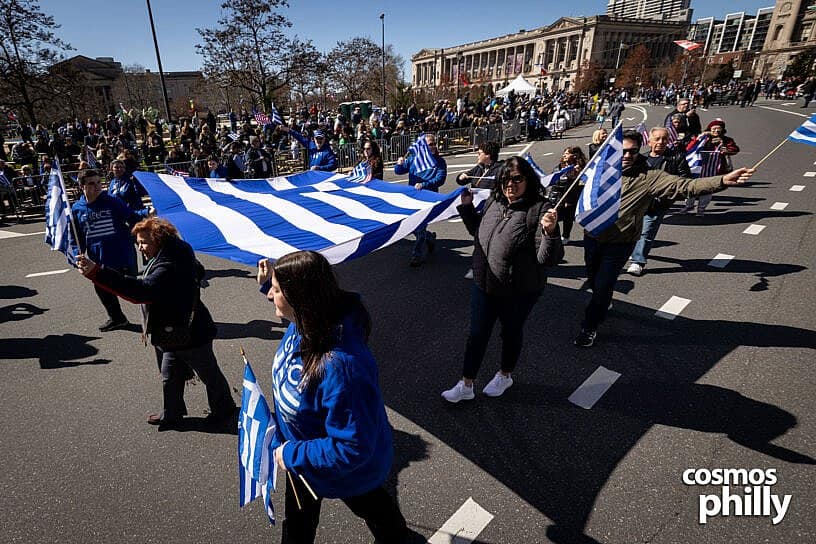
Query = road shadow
x=16 y=291
x=19 y=312
x=763 y=271
x=202 y=425
x=714 y=216
x=53 y=351
x=554 y=455
x=228 y=273
x=257 y=328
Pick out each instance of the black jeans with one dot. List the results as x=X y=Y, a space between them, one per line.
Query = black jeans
x=111 y=304
x=175 y=370
x=512 y=312
x=603 y=265
x=380 y=512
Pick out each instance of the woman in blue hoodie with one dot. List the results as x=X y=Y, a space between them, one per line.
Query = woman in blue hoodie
x=332 y=429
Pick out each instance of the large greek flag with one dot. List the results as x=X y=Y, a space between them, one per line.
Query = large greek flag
x=806 y=133
x=600 y=200
x=246 y=220
x=58 y=213
x=257 y=475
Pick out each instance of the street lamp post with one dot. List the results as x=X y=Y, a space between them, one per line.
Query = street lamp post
x=382 y=20
x=158 y=60
x=459 y=58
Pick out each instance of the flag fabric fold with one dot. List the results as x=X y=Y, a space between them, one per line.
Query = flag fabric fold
x=555 y=177
x=58 y=214
x=599 y=203
x=361 y=173
x=805 y=133
x=688 y=45
x=246 y=220
x=710 y=163
x=644 y=133
x=694 y=156
x=257 y=475
x=423 y=158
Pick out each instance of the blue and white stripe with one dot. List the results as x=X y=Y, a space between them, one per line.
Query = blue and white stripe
x=694 y=156
x=599 y=204
x=256 y=428
x=246 y=220
x=275 y=116
x=57 y=213
x=89 y=158
x=361 y=173
x=555 y=177
x=806 y=133
x=423 y=158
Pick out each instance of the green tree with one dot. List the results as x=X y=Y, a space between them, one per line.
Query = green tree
x=28 y=47
x=249 y=49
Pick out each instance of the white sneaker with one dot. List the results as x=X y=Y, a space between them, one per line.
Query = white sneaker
x=469 y=274
x=498 y=385
x=636 y=269
x=564 y=240
x=458 y=392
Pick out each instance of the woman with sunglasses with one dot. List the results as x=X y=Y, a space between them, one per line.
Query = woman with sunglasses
x=373 y=156
x=516 y=238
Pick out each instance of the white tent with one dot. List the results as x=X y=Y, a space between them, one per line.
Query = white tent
x=520 y=85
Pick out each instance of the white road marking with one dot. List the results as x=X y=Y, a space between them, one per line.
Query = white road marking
x=49 y=273
x=630 y=118
x=667 y=107
x=464 y=525
x=721 y=260
x=789 y=104
x=797 y=188
x=547 y=154
x=10 y=234
x=783 y=111
x=643 y=111
x=509 y=153
x=527 y=148
x=594 y=387
x=672 y=308
x=754 y=229
x=809 y=174
x=779 y=205
x=455 y=220
x=516 y=145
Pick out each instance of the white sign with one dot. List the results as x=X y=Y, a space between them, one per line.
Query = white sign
x=737 y=74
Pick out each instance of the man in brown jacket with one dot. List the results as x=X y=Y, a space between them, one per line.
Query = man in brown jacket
x=606 y=253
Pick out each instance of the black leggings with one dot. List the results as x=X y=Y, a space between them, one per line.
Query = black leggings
x=380 y=512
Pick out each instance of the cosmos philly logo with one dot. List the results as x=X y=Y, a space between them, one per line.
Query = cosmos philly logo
x=743 y=492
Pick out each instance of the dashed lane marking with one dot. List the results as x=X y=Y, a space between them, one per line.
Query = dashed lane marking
x=754 y=229
x=673 y=307
x=455 y=220
x=779 y=206
x=797 y=188
x=49 y=273
x=464 y=525
x=10 y=234
x=594 y=387
x=783 y=111
x=721 y=260
x=630 y=118
x=789 y=104
x=810 y=174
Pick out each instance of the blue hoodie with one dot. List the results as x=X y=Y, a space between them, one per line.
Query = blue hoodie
x=129 y=191
x=104 y=228
x=336 y=432
x=321 y=157
x=431 y=179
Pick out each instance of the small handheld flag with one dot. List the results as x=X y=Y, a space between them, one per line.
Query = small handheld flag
x=276 y=117
x=555 y=177
x=644 y=133
x=58 y=218
x=423 y=158
x=600 y=200
x=688 y=45
x=260 y=117
x=806 y=133
x=710 y=163
x=694 y=156
x=361 y=173
x=89 y=158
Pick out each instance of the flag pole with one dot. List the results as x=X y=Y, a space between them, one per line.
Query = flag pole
x=769 y=154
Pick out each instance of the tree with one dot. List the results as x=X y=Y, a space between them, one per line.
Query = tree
x=802 y=65
x=635 y=68
x=355 y=69
x=590 y=79
x=248 y=49
x=28 y=46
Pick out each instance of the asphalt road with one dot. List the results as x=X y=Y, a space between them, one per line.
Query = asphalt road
x=727 y=383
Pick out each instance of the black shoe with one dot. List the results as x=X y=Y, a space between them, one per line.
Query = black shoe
x=585 y=338
x=431 y=244
x=161 y=421
x=111 y=325
x=414 y=262
x=222 y=418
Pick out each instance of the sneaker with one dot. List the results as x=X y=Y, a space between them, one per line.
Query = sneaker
x=585 y=338
x=111 y=325
x=498 y=385
x=458 y=392
x=636 y=269
x=469 y=274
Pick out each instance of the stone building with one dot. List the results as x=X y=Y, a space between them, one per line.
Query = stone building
x=791 y=32
x=549 y=56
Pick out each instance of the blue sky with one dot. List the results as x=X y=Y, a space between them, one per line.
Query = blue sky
x=120 y=28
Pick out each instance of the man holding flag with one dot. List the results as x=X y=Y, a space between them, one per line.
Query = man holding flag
x=426 y=169
x=321 y=155
x=619 y=189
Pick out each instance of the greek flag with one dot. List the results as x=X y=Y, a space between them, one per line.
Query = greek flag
x=694 y=156
x=555 y=177
x=600 y=200
x=246 y=220
x=423 y=158
x=257 y=475
x=361 y=173
x=58 y=214
x=276 y=117
x=89 y=158
x=536 y=168
x=806 y=133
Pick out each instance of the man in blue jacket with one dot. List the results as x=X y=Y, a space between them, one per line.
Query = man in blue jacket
x=431 y=180
x=321 y=155
x=104 y=224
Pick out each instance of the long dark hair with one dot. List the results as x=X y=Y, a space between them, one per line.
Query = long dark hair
x=309 y=285
x=376 y=155
x=518 y=166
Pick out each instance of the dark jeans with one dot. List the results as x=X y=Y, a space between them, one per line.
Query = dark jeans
x=380 y=512
x=651 y=224
x=175 y=370
x=424 y=237
x=111 y=304
x=603 y=264
x=512 y=312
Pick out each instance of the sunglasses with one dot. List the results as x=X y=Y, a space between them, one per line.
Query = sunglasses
x=632 y=151
x=515 y=180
